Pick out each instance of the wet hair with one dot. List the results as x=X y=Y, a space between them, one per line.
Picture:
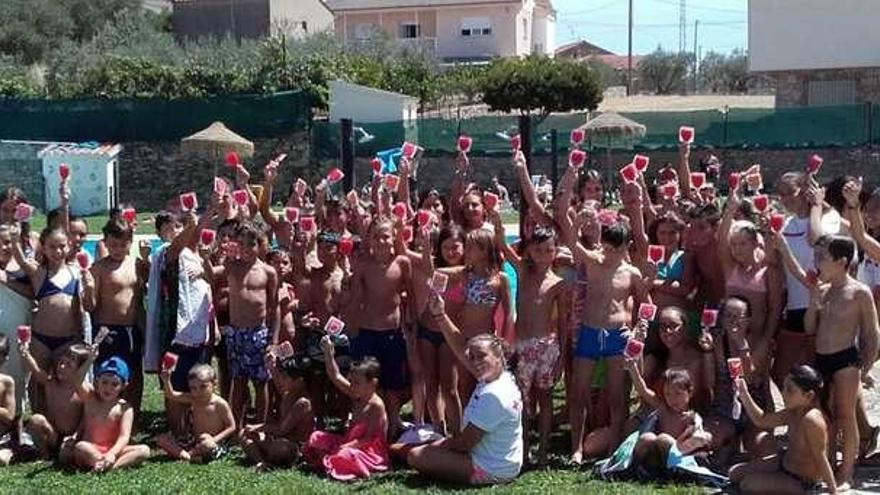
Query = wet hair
x=367 y=367
x=381 y=223
x=497 y=345
x=163 y=218
x=740 y=299
x=539 y=235
x=248 y=234
x=708 y=212
x=78 y=353
x=202 y=373
x=485 y=240
x=118 y=229
x=4 y=347
x=806 y=378
x=276 y=254
x=838 y=246
x=669 y=217
x=745 y=227
x=230 y=224
x=678 y=378
x=617 y=234
x=794 y=179
x=448 y=231
x=589 y=175
x=834 y=192
x=49 y=232
x=293 y=368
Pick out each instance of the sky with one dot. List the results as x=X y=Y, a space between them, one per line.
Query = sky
x=722 y=27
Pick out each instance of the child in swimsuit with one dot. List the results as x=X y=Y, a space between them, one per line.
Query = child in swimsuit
x=843 y=317
x=53 y=429
x=799 y=468
x=363 y=448
x=7 y=407
x=438 y=362
x=102 y=441
x=58 y=317
x=542 y=306
x=278 y=442
x=211 y=422
x=676 y=424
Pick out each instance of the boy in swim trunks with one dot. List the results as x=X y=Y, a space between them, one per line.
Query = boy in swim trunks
x=253 y=321
x=211 y=422
x=844 y=319
x=105 y=429
x=112 y=292
x=380 y=281
x=53 y=429
x=615 y=288
x=542 y=306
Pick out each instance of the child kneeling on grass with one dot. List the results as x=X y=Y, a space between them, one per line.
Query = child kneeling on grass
x=364 y=448
x=105 y=429
x=211 y=424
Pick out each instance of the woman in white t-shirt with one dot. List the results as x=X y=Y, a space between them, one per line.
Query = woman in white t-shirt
x=489 y=449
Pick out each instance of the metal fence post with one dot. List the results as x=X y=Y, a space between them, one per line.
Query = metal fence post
x=347 y=146
x=525 y=135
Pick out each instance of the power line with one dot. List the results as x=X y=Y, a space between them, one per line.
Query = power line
x=702 y=7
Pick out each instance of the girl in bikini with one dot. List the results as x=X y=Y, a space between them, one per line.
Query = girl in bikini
x=438 y=361
x=486 y=290
x=58 y=316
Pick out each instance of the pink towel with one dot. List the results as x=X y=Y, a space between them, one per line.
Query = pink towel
x=355 y=460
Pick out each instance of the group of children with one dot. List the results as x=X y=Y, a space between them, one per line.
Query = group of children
x=317 y=319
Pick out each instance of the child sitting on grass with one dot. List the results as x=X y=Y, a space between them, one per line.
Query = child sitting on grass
x=102 y=441
x=363 y=449
x=211 y=420
x=277 y=442
x=52 y=430
x=798 y=468
x=676 y=423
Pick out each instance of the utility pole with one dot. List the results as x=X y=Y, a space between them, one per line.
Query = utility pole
x=629 y=59
x=696 y=55
x=682 y=26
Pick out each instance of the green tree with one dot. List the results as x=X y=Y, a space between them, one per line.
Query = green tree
x=664 y=72
x=721 y=73
x=540 y=85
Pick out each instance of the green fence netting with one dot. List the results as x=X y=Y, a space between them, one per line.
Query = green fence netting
x=152 y=119
x=765 y=128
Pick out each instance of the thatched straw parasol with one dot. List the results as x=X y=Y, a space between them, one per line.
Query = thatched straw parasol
x=613 y=130
x=214 y=142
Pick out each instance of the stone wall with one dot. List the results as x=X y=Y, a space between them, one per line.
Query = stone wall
x=153 y=173
x=792 y=87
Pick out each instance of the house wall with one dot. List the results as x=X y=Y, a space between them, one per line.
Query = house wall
x=502 y=42
x=287 y=16
x=217 y=18
x=365 y=105
x=793 y=87
x=445 y=24
x=813 y=34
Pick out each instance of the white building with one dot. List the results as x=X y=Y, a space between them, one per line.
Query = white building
x=454 y=30
x=820 y=52
x=369 y=105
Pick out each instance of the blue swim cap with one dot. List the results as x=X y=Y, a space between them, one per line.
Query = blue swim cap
x=114 y=366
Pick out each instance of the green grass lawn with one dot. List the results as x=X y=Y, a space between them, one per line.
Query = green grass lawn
x=160 y=475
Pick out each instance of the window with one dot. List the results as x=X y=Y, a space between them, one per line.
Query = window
x=525 y=29
x=476 y=26
x=410 y=31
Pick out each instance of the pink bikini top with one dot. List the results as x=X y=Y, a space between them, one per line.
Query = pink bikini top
x=455 y=293
x=738 y=280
